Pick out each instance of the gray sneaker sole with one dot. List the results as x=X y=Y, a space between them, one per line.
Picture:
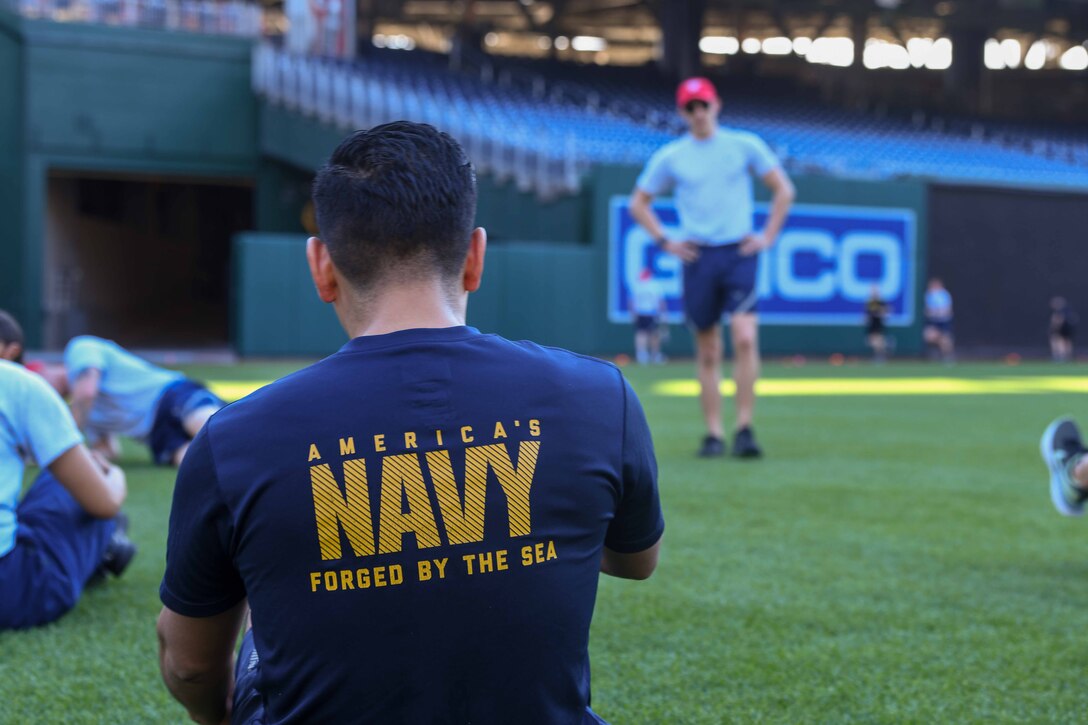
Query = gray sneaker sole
x=1046 y=449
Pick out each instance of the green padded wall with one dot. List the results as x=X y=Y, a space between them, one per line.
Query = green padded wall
x=11 y=165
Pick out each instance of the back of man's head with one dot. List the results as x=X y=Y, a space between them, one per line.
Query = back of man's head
x=11 y=338
x=397 y=199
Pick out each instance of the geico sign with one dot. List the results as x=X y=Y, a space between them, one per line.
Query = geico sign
x=834 y=266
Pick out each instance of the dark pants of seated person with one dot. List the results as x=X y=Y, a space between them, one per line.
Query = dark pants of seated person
x=58 y=546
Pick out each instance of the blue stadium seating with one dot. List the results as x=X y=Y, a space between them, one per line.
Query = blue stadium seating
x=544 y=123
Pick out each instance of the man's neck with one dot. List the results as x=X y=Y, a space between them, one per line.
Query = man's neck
x=402 y=306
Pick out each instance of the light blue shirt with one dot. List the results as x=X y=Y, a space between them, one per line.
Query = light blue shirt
x=711 y=181
x=35 y=425
x=938 y=305
x=128 y=392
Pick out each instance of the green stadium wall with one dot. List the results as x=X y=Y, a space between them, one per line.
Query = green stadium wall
x=98 y=100
x=12 y=253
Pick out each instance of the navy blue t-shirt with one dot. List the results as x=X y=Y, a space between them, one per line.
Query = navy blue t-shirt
x=418 y=522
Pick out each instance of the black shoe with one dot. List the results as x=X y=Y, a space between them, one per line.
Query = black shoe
x=744 y=444
x=712 y=448
x=120 y=550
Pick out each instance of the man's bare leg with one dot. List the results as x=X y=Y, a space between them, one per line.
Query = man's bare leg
x=192 y=424
x=196 y=420
x=708 y=368
x=745 y=331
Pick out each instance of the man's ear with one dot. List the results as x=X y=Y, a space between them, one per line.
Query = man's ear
x=473 y=271
x=11 y=351
x=322 y=270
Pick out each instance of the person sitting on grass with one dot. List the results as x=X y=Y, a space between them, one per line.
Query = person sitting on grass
x=67 y=529
x=114 y=392
x=418 y=522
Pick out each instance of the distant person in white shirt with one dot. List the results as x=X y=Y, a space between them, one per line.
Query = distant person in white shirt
x=114 y=392
x=647 y=310
x=709 y=172
x=66 y=530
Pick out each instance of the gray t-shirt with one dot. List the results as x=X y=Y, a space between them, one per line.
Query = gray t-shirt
x=711 y=180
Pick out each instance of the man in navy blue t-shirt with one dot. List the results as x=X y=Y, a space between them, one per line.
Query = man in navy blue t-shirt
x=418 y=521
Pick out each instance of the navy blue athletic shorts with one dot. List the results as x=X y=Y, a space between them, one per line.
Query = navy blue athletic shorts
x=942 y=326
x=168 y=432
x=720 y=281
x=645 y=323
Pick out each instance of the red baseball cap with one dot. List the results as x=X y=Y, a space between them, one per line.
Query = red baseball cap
x=695 y=89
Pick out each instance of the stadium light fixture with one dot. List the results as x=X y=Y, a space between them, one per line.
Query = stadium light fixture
x=832 y=51
x=801 y=45
x=1036 y=55
x=918 y=50
x=882 y=54
x=588 y=43
x=1076 y=58
x=992 y=55
x=751 y=45
x=719 y=45
x=491 y=40
x=777 y=46
x=1011 y=50
x=562 y=42
x=940 y=55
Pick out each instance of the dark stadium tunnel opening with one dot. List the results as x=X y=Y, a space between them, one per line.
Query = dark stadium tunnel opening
x=144 y=260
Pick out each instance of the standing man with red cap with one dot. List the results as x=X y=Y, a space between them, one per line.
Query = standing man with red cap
x=709 y=172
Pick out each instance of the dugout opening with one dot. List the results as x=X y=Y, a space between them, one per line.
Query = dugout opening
x=143 y=260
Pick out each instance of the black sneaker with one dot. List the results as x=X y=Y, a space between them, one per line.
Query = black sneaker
x=744 y=444
x=712 y=448
x=120 y=550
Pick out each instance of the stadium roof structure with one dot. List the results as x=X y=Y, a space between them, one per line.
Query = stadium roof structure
x=638 y=22
x=684 y=37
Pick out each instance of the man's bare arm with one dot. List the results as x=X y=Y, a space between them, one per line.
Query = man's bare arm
x=196 y=657
x=98 y=487
x=639 y=565
x=84 y=391
x=642 y=212
x=109 y=445
x=782 y=196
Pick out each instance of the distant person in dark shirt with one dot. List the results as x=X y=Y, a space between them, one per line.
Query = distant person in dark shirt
x=418 y=522
x=876 y=310
x=1063 y=323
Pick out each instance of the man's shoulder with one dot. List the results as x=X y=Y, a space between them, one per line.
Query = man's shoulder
x=294 y=386
x=14 y=377
x=559 y=356
x=83 y=342
x=738 y=136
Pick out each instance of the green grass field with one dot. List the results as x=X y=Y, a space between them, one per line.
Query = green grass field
x=894 y=558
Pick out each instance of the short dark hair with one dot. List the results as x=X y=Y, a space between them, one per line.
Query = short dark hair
x=398 y=195
x=10 y=332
